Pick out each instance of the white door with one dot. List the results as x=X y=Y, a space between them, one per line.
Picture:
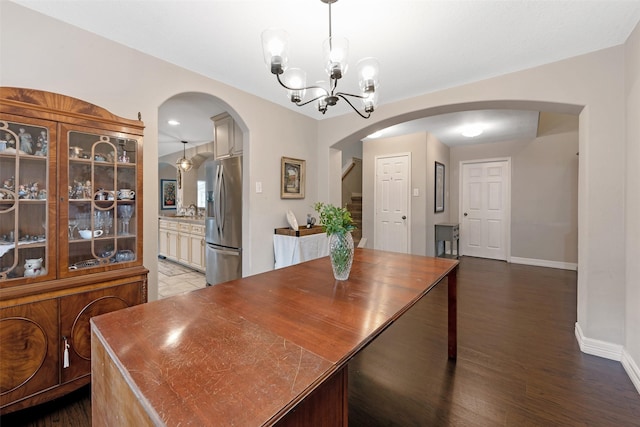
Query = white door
x=485 y=207
x=392 y=203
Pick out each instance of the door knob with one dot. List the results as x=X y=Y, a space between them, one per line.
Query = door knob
x=465 y=214
x=404 y=217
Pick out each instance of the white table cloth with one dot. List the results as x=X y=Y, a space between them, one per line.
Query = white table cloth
x=290 y=250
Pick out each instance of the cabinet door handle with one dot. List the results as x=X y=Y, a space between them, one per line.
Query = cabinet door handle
x=65 y=356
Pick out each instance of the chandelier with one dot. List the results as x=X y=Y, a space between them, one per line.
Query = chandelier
x=183 y=163
x=275 y=44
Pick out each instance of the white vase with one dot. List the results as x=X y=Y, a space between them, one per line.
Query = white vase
x=341 y=254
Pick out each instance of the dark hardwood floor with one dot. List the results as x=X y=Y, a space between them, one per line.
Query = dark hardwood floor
x=518 y=362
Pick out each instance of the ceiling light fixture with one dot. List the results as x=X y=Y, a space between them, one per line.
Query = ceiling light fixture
x=183 y=163
x=173 y=122
x=276 y=50
x=471 y=130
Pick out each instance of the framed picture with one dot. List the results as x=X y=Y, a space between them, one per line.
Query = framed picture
x=168 y=194
x=439 y=188
x=292 y=175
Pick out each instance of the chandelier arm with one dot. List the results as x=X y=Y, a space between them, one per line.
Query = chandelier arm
x=300 y=104
x=302 y=88
x=342 y=95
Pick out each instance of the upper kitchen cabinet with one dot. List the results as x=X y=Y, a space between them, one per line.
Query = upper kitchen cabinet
x=227 y=136
x=70 y=237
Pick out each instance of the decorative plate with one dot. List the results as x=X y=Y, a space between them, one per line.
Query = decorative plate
x=291 y=219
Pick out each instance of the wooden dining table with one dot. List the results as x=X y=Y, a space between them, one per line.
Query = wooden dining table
x=268 y=349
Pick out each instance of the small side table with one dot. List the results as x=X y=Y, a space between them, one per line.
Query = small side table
x=447 y=233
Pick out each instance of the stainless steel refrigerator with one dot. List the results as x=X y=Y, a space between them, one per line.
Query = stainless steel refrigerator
x=224 y=219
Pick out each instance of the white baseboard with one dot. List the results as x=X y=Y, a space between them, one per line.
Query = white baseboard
x=632 y=369
x=597 y=347
x=545 y=263
x=610 y=351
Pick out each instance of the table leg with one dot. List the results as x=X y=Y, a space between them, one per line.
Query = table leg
x=452 y=280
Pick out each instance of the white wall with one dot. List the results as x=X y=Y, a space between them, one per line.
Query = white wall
x=631 y=359
x=57 y=57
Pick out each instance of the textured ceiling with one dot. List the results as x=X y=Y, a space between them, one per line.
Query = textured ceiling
x=422 y=46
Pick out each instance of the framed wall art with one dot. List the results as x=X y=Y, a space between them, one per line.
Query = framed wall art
x=168 y=194
x=292 y=176
x=439 y=188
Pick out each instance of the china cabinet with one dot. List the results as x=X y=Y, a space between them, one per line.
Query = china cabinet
x=70 y=237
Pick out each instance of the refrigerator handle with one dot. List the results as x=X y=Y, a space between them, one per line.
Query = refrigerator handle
x=221 y=199
x=233 y=252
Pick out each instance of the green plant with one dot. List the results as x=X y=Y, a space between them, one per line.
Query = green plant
x=335 y=220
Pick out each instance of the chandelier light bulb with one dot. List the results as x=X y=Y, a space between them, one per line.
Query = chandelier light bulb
x=275 y=46
x=296 y=80
x=368 y=69
x=336 y=50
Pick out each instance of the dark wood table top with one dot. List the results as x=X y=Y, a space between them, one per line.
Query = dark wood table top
x=246 y=351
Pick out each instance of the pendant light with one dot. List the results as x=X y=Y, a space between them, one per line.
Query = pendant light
x=275 y=45
x=183 y=163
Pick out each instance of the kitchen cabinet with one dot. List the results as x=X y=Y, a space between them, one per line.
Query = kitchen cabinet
x=168 y=238
x=227 y=136
x=197 y=247
x=184 y=246
x=70 y=237
x=183 y=242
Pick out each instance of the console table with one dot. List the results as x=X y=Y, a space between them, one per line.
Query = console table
x=447 y=233
x=268 y=349
x=290 y=250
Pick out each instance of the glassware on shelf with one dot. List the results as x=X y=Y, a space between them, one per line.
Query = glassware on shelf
x=107 y=222
x=98 y=220
x=125 y=211
x=84 y=221
x=73 y=224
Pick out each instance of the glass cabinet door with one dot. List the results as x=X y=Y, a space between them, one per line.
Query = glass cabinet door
x=101 y=213
x=27 y=189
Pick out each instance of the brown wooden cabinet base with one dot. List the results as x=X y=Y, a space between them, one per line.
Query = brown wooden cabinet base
x=34 y=331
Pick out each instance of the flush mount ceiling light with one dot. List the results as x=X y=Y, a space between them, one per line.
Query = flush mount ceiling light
x=183 y=163
x=471 y=130
x=173 y=122
x=275 y=44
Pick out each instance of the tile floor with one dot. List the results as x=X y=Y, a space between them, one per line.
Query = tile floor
x=174 y=279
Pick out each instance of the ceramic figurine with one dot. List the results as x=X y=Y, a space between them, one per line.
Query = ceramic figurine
x=33 y=267
x=42 y=144
x=11 y=143
x=26 y=141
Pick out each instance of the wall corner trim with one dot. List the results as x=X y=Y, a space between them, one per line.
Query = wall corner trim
x=632 y=369
x=598 y=348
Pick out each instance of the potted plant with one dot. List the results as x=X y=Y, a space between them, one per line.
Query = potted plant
x=338 y=224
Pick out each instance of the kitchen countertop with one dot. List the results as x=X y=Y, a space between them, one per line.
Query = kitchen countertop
x=190 y=219
x=249 y=351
